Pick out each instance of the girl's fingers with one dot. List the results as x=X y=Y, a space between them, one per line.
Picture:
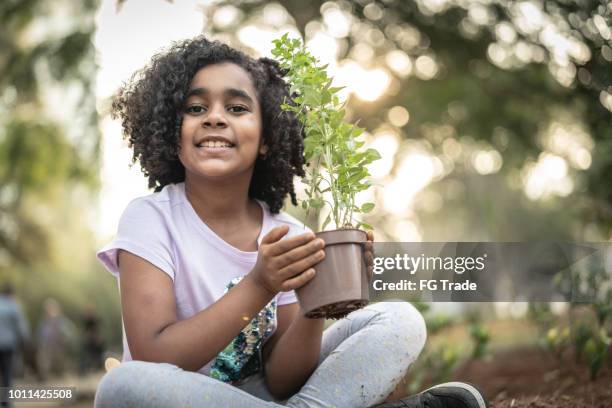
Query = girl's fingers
x=303 y=264
x=301 y=252
x=368 y=249
x=369 y=258
x=280 y=247
x=275 y=234
x=370 y=270
x=300 y=280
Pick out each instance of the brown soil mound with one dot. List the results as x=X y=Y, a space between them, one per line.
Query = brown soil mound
x=534 y=378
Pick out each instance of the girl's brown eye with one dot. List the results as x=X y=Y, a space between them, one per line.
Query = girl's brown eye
x=194 y=109
x=241 y=108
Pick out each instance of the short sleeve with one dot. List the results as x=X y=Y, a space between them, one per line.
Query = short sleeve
x=285 y=298
x=142 y=231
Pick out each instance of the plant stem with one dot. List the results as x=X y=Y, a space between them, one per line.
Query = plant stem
x=334 y=190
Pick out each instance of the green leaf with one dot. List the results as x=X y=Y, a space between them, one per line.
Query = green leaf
x=357 y=131
x=366 y=226
x=372 y=154
x=335 y=89
x=367 y=207
x=316 y=203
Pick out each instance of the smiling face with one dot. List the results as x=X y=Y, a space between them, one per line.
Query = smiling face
x=221 y=129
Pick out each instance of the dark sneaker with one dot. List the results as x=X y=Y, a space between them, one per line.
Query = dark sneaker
x=447 y=395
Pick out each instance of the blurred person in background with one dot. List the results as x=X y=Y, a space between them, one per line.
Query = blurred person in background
x=14 y=334
x=56 y=334
x=92 y=345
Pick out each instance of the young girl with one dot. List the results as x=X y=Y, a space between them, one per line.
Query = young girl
x=207 y=264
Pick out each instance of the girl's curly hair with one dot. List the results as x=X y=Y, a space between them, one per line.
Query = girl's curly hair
x=150 y=107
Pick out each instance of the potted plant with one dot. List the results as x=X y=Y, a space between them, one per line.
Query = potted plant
x=336 y=171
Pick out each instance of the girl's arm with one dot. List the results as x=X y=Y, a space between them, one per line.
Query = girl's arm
x=153 y=330
x=292 y=353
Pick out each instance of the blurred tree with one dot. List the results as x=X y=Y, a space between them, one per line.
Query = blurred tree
x=49 y=158
x=47 y=58
x=523 y=84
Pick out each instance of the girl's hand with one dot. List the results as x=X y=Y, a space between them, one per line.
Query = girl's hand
x=368 y=254
x=284 y=265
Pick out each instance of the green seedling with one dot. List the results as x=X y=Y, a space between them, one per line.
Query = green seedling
x=587 y=334
x=336 y=158
x=480 y=336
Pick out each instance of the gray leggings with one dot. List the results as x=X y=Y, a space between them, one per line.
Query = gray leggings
x=363 y=358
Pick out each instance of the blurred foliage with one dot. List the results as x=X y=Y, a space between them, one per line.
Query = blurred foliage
x=438 y=322
x=506 y=105
x=434 y=366
x=442 y=356
x=480 y=337
x=36 y=152
x=585 y=331
x=49 y=157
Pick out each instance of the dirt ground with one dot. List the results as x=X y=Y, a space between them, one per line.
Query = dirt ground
x=531 y=377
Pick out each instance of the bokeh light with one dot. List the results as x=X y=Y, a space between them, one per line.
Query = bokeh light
x=387 y=143
x=547 y=177
x=426 y=67
x=398 y=116
x=399 y=62
x=367 y=84
x=487 y=161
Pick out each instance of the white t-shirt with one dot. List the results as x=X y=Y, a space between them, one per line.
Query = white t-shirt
x=164 y=229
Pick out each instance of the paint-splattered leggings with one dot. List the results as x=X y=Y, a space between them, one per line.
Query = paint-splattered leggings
x=363 y=357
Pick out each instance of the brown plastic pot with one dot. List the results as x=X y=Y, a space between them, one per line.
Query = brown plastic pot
x=341 y=283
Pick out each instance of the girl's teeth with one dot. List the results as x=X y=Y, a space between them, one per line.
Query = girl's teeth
x=215 y=144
